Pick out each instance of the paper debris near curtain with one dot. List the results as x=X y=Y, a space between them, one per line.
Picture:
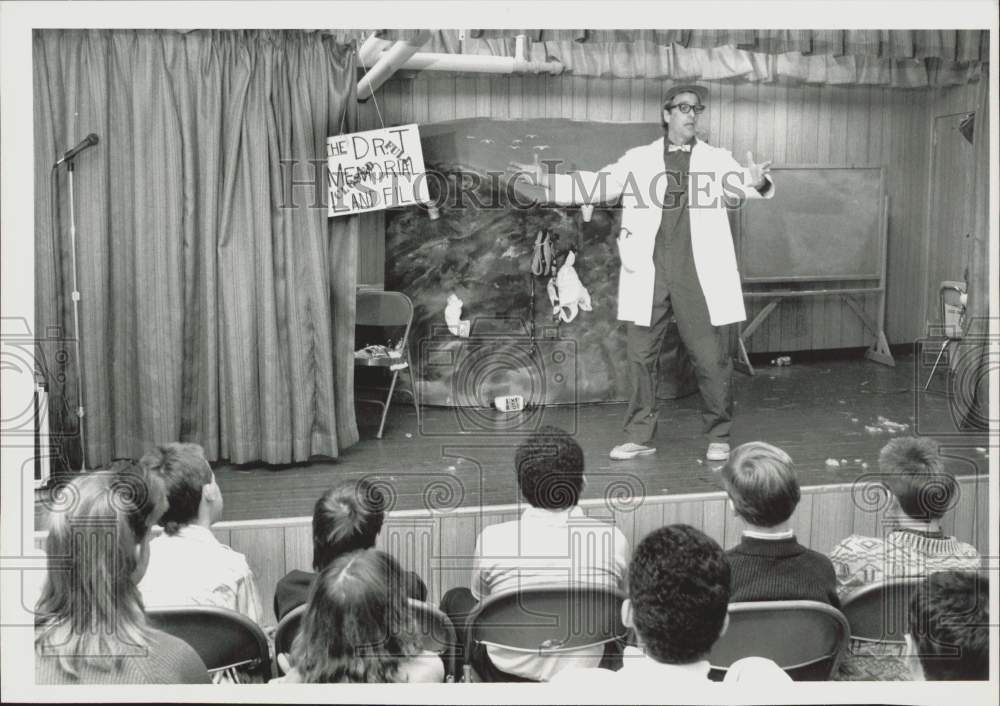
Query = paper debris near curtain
x=374 y=170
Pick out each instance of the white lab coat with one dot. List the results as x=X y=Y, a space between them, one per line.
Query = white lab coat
x=639 y=178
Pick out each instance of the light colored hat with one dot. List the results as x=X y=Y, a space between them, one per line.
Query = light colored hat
x=700 y=91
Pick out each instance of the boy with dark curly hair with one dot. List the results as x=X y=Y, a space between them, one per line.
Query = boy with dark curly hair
x=552 y=543
x=949 y=627
x=678 y=602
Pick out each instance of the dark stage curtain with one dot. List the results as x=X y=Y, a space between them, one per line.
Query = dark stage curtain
x=211 y=311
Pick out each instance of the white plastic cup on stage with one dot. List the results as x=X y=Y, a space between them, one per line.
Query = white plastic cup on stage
x=509 y=403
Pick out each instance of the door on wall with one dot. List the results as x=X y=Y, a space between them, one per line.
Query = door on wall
x=952 y=191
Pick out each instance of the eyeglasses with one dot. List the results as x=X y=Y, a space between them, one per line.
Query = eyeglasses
x=687 y=108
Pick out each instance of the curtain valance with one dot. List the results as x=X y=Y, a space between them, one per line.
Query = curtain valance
x=897 y=58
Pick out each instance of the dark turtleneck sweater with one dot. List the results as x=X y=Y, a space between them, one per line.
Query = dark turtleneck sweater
x=780 y=570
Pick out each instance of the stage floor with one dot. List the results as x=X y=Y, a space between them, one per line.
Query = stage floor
x=840 y=409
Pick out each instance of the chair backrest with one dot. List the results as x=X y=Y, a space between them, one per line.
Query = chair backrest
x=433 y=626
x=376 y=308
x=223 y=638
x=548 y=620
x=805 y=638
x=288 y=628
x=436 y=632
x=879 y=612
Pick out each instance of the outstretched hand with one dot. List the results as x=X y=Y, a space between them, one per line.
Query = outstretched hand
x=758 y=172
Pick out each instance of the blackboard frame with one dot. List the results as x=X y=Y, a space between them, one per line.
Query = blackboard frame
x=780 y=289
x=878 y=267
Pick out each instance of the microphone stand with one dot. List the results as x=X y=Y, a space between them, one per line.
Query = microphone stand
x=76 y=323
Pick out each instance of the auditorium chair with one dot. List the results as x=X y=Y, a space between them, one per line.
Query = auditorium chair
x=433 y=626
x=547 y=620
x=879 y=612
x=284 y=634
x=436 y=631
x=223 y=638
x=382 y=324
x=805 y=638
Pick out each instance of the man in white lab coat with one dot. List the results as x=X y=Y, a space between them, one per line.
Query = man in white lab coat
x=677 y=261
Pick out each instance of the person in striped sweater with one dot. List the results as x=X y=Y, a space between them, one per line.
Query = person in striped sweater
x=769 y=564
x=913 y=543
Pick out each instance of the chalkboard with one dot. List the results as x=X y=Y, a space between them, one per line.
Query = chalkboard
x=823 y=223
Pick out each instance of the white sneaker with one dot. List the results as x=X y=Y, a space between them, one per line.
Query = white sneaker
x=629 y=450
x=717 y=451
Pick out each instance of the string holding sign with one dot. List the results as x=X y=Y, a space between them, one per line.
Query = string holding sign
x=375 y=170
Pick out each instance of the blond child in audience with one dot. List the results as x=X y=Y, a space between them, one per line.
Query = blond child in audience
x=769 y=564
x=922 y=492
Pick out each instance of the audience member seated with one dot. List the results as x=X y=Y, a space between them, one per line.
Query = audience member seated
x=553 y=543
x=678 y=598
x=90 y=625
x=949 y=634
x=922 y=491
x=346 y=518
x=769 y=564
x=188 y=565
x=358 y=627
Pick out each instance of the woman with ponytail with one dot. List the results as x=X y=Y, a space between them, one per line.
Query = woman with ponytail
x=358 y=627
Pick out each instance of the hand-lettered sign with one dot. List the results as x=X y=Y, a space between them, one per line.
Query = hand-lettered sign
x=376 y=169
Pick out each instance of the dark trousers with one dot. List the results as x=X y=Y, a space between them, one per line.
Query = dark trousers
x=708 y=348
x=458 y=604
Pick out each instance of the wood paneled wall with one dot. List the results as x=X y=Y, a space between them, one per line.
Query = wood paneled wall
x=439 y=545
x=948 y=250
x=810 y=125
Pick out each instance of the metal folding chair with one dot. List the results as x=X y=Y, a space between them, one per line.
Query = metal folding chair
x=952 y=311
x=433 y=626
x=546 y=621
x=387 y=311
x=879 y=612
x=436 y=631
x=223 y=638
x=805 y=638
x=284 y=634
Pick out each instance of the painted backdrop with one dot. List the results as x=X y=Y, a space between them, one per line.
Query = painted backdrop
x=480 y=248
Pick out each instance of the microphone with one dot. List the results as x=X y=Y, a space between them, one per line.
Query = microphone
x=89 y=141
